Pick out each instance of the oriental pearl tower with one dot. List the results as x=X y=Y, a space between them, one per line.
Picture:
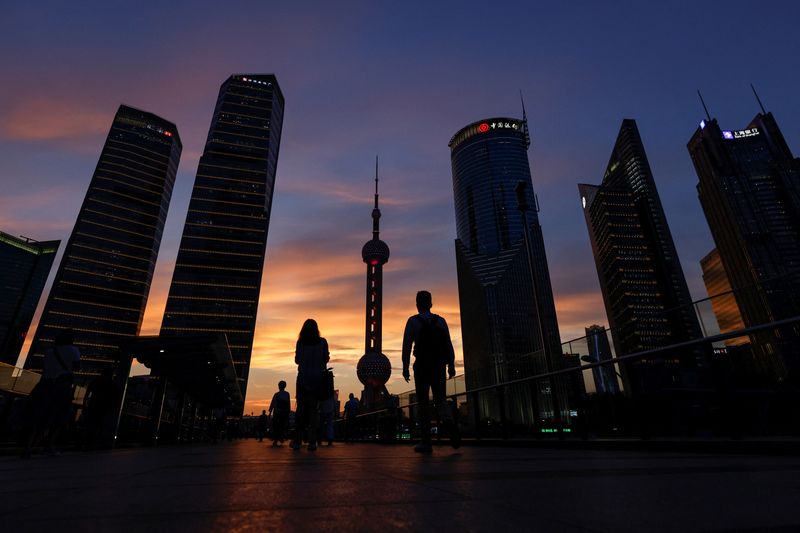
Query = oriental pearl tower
x=374 y=368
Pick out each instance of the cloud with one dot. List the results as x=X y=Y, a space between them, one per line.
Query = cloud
x=48 y=119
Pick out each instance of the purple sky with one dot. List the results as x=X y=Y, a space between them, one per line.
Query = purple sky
x=395 y=79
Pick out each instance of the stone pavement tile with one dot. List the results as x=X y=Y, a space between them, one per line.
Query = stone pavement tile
x=250 y=486
x=421 y=516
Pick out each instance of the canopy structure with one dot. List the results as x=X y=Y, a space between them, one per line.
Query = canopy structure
x=199 y=365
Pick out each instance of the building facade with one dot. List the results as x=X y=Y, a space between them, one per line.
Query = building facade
x=749 y=187
x=103 y=281
x=217 y=278
x=508 y=319
x=605 y=377
x=24 y=267
x=644 y=290
x=720 y=294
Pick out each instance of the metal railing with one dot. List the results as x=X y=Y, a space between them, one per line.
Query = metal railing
x=717 y=399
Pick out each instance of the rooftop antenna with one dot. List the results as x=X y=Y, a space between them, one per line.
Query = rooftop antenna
x=376 y=212
x=525 y=122
x=763 y=111
x=708 y=115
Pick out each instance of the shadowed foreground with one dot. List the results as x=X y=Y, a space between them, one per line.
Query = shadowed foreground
x=250 y=486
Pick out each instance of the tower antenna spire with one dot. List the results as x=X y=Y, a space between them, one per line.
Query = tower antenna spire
x=376 y=182
x=708 y=115
x=764 y=111
x=525 y=121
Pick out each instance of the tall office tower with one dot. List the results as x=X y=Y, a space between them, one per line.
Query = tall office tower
x=644 y=290
x=749 y=187
x=506 y=318
x=217 y=278
x=103 y=280
x=723 y=302
x=24 y=267
x=374 y=368
x=605 y=377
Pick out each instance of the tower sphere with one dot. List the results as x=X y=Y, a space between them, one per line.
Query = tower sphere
x=375 y=249
x=374 y=369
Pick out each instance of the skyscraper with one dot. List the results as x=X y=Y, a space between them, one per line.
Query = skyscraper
x=500 y=319
x=217 y=278
x=749 y=187
x=374 y=368
x=24 y=267
x=645 y=293
x=605 y=377
x=102 y=283
x=723 y=302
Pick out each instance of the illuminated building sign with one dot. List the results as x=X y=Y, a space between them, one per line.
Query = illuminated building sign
x=583 y=201
x=486 y=126
x=740 y=134
x=495 y=124
x=251 y=80
x=159 y=130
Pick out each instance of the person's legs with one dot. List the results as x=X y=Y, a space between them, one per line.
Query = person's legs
x=313 y=421
x=443 y=410
x=300 y=418
x=422 y=384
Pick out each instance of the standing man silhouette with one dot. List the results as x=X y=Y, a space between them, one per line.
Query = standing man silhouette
x=433 y=353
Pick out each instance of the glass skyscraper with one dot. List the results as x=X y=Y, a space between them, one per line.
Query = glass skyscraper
x=217 y=278
x=644 y=290
x=500 y=319
x=24 y=267
x=103 y=280
x=749 y=187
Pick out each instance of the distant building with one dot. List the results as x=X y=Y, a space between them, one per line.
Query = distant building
x=24 y=267
x=749 y=187
x=502 y=311
x=723 y=302
x=605 y=377
x=217 y=278
x=103 y=280
x=645 y=293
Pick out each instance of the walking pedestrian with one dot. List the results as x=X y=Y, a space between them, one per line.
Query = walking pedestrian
x=279 y=409
x=350 y=420
x=433 y=355
x=311 y=356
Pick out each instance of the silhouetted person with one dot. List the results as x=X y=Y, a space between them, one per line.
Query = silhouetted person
x=100 y=407
x=279 y=409
x=261 y=426
x=51 y=399
x=433 y=355
x=350 y=420
x=311 y=356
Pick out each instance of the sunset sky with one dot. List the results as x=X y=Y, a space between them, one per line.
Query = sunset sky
x=395 y=79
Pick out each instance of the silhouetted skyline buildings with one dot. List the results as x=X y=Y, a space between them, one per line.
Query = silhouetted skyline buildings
x=749 y=188
x=217 y=278
x=24 y=267
x=500 y=320
x=644 y=290
x=103 y=280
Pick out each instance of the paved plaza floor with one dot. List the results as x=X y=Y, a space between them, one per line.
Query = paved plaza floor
x=249 y=486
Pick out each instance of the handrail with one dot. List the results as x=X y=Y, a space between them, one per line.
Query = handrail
x=638 y=355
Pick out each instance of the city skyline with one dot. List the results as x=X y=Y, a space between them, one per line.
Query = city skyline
x=56 y=122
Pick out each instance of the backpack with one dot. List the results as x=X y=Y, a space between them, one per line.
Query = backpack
x=431 y=344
